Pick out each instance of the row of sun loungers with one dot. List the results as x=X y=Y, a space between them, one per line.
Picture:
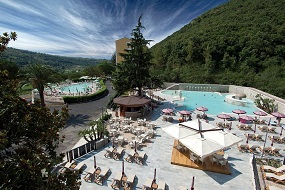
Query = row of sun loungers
x=277 y=139
x=266 y=128
x=253 y=149
x=277 y=171
x=115 y=153
x=274 y=178
x=254 y=136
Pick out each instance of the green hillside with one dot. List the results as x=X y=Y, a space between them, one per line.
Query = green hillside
x=23 y=57
x=241 y=42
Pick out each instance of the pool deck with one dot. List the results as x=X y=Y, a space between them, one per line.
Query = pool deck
x=159 y=155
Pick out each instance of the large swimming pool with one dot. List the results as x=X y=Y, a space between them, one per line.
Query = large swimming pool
x=76 y=87
x=214 y=101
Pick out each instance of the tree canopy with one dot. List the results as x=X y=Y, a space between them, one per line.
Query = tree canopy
x=133 y=72
x=238 y=43
x=28 y=139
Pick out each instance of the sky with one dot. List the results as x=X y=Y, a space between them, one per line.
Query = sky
x=89 y=28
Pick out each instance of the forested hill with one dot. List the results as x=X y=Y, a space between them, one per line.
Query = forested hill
x=241 y=42
x=23 y=57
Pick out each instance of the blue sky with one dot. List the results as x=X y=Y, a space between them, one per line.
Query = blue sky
x=89 y=28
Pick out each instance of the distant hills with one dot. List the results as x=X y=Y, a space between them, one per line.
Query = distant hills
x=23 y=57
x=240 y=42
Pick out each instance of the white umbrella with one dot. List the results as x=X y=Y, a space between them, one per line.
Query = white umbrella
x=194 y=124
x=201 y=146
x=177 y=131
x=223 y=138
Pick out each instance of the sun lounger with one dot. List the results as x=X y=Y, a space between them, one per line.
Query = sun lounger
x=253 y=148
x=131 y=156
x=89 y=175
x=117 y=181
x=265 y=150
x=275 y=178
x=241 y=126
x=271 y=129
x=102 y=176
x=270 y=187
x=79 y=166
x=130 y=182
x=263 y=128
x=275 y=151
x=68 y=165
x=140 y=157
x=161 y=185
x=248 y=128
x=243 y=147
x=281 y=140
x=109 y=152
x=147 y=184
x=258 y=137
x=118 y=153
x=250 y=136
x=279 y=170
x=220 y=124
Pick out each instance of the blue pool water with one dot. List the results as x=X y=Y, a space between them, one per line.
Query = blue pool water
x=212 y=100
x=76 y=87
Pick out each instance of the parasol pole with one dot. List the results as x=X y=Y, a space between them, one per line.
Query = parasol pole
x=192 y=186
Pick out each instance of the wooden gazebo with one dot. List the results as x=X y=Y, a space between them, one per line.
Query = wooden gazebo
x=131 y=106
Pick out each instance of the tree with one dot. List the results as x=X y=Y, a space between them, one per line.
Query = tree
x=133 y=72
x=5 y=39
x=28 y=141
x=39 y=75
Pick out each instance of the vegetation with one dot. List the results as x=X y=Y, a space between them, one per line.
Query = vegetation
x=24 y=58
x=133 y=72
x=240 y=43
x=265 y=104
x=28 y=139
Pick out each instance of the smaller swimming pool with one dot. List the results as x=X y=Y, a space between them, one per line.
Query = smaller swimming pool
x=214 y=101
x=77 y=87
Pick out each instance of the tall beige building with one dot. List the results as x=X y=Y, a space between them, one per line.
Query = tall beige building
x=121 y=45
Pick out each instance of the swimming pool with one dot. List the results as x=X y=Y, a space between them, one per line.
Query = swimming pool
x=214 y=101
x=77 y=87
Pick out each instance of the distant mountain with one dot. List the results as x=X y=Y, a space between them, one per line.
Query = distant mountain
x=23 y=57
x=240 y=42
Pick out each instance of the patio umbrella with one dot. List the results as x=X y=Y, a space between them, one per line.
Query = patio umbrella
x=223 y=138
x=201 y=108
x=201 y=146
x=95 y=163
x=239 y=111
x=167 y=110
x=224 y=116
x=185 y=112
x=260 y=113
x=246 y=117
x=192 y=186
x=178 y=131
x=278 y=116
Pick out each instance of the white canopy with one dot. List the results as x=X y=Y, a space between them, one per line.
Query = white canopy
x=223 y=138
x=177 y=131
x=201 y=146
x=194 y=124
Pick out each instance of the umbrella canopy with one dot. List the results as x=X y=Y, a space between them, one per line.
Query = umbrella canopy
x=246 y=117
x=197 y=125
x=223 y=138
x=167 y=110
x=201 y=146
x=278 y=114
x=201 y=108
x=178 y=131
x=131 y=101
x=238 y=111
x=224 y=116
x=185 y=112
x=260 y=113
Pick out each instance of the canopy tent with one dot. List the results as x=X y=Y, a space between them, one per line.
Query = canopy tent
x=197 y=125
x=201 y=146
x=223 y=138
x=178 y=131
